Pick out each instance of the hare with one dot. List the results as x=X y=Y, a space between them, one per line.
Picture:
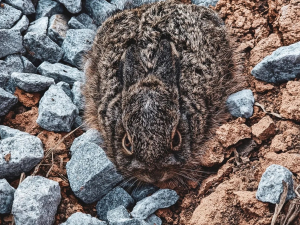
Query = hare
x=157 y=78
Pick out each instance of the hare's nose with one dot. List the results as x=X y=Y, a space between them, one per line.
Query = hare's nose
x=135 y=164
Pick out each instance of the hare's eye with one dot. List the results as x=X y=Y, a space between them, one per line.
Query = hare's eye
x=176 y=141
x=127 y=146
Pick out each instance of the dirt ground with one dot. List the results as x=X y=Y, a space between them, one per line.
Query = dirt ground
x=241 y=150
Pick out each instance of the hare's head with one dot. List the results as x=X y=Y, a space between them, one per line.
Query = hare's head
x=151 y=134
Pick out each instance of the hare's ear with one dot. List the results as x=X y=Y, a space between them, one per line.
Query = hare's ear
x=167 y=64
x=130 y=68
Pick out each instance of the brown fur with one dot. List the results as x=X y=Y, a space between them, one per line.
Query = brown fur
x=152 y=70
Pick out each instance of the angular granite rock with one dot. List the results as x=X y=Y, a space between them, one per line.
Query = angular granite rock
x=76 y=44
x=117 y=213
x=205 y=3
x=11 y=42
x=8 y=16
x=19 y=152
x=133 y=221
x=39 y=26
x=91 y=174
x=153 y=219
x=282 y=65
x=240 y=104
x=270 y=186
x=4 y=77
x=60 y=72
x=36 y=201
x=66 y=88
x=163 y=198
x=6 y=196
x=28 y=66
x=142 y=192
x=7 y=101
x=48 y=8
x=58 y=27
x=82 y=21
x=116 y=197
x=22 y=24
x=73 y=6
x=130 y=4
x=25 y=6
x=100 y=10
x=77 y=95
x=56 y=110
x=31 y=82
x=80 y=218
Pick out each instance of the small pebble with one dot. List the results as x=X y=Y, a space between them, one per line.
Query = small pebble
x=30 y=82
x=7 y=101
x=281 y=66
x=25 y=6
x=56 y=110
x=82 y=21
x=36 y=201
x=100 y=10
x=142 y=192
x=11 y=42
x=270 y=186
x=91 y=135
x=6 y=196
x=163 y=198
x=21 y=152
x=205 y=3
x=48 y=8
x=58 y=27
x=240 y=104
x=8 y=16
x=80 y=218
x=118 y=213
x=91 y=174
x=116 y=197
x=60 y=72
x=76 y=44
x=39 y=26
x=22 y=24
x=42 y=48
x=73 y=6
x=78 y=98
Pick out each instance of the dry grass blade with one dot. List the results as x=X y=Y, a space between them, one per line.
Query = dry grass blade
x=22 y=177
x=294 y=209
x=270 y=113
x=281 y=202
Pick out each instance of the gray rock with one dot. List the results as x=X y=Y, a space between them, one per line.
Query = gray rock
x=6 y=196
x=76 y=44
x=82 y=21
x=91 y=135
x=73 y=6
x=11 y=42
x=142 y=192
x=270 y=186
x=6 y=132
x=28 y=66
x=48 y=8
x=56 y=110
x=129 y=222
x=22 y=24
x=163 y=198
x=78 y=98
x=80 y=218
x=130 y=4
x=13 y=63
x=8 y=16
x=66 y=88
x=25 y=6
x=91 y=174
x=36 y=201
x=118 y=213
x=42 y=48
x=118 y=196
x=58 y=27
x=61 y=72
x=39 y=26
x=31 y=82
x=282 y=65
x=4 y=77
x=240 y=104
x=7 y=101
x=153 y=220
x=205 y=3
x=78 y=122
x=25 y=150
x=100 y=10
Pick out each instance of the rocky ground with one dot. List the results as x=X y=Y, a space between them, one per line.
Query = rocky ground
x=239 y=155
